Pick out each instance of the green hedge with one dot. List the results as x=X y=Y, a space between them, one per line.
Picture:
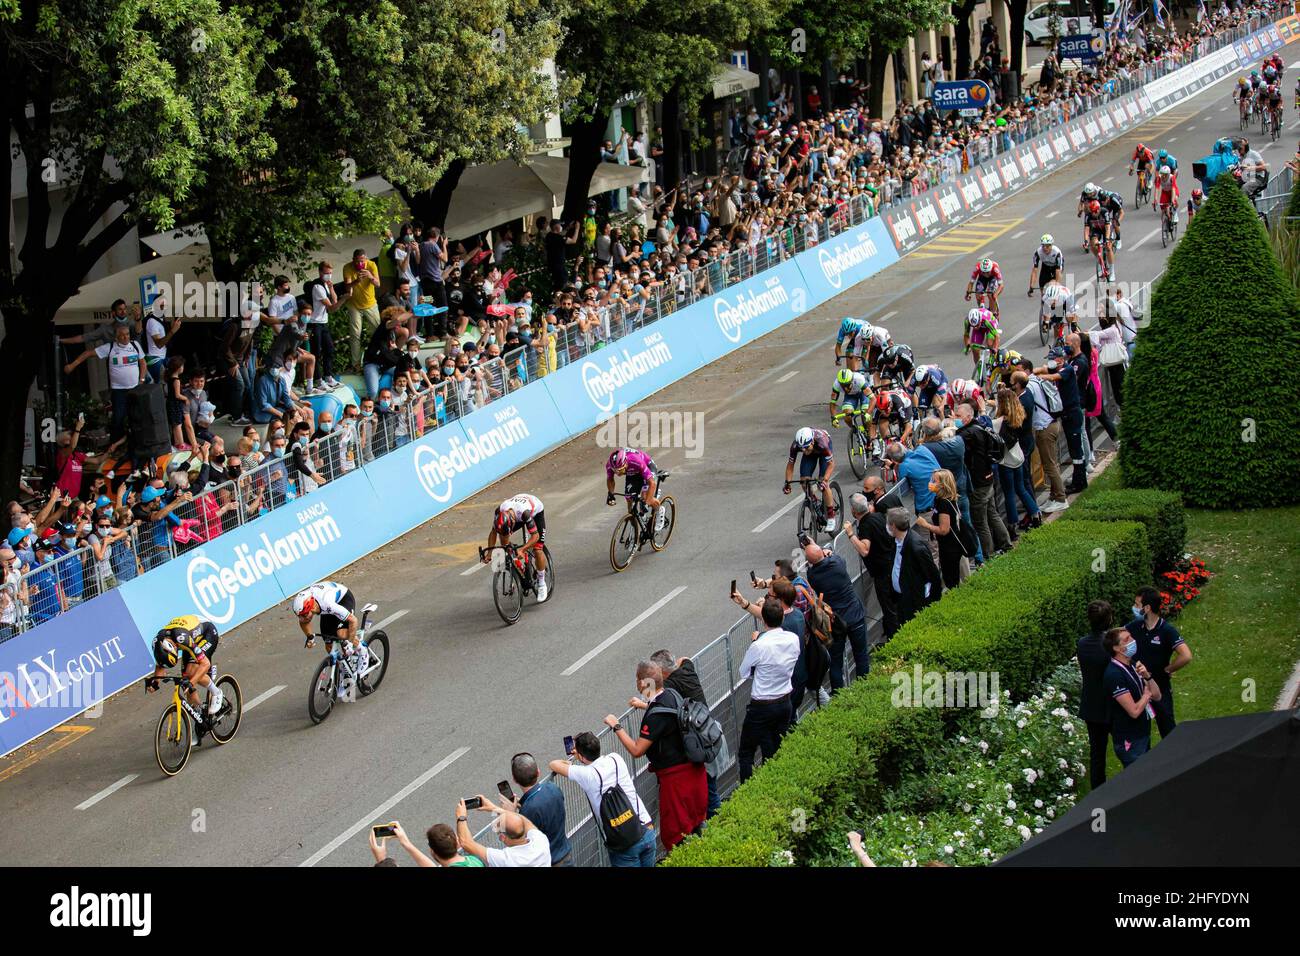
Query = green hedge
x=1209 y=402
x=1020 y=617
x=1161 y=511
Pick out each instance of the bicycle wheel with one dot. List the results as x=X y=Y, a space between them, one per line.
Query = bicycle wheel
x=623 y=542
x=837 y=497
x=659 y=539
x=174 y=741
x=508 y=594
x=231 y=714
x=858 y=452
x=377 y=645
x=320 y=695
x=807 y=521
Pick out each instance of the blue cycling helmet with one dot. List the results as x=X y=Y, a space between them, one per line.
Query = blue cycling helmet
x=849 y=324
x=1162 y=154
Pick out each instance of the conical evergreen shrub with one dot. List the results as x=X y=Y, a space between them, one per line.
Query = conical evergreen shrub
x=1211 y=398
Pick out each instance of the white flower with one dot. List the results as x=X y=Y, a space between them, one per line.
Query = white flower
x=1007 y=821
x=1063 y=763
x=1021 y=723
x=1009 y=787
x=1051 y=814
x=1030 y=774
x=970 y=786
x=1024 y=832
x=962 y=740
x=958 y=834
x=1038 y=829
x=983 y=746
x=1024 y=752
x=1060 y=712
x=1006 y=693
x=1069 y=781
x=986 y=853
x=947 y=848
x=1068 y=727
x=965 y=808
x=1011 y=804
x=1038 y=804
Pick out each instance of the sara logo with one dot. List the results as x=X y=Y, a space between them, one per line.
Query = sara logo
x=619 y=369
x=732 y=316
x=213 y=586
x=1097 y=44
x=979 y=92
x=844 y=256
x=436 y=472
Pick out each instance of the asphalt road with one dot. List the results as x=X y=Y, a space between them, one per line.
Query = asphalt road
x=464 y=692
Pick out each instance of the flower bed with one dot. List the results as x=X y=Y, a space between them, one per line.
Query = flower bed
x=998 y=782
x=1180 y=586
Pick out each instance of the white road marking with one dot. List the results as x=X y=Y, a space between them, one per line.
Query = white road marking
x=264 y=696
x=396 y=616
x=384 y=807
x=623 y=631
x=937 y=285
x=1108 y=179
x=1223 y=109
x=1017 y=235
x=772 y=520
x=723 y=415
x=1173 y=139
x=1150 y=235
x=1053 y=213
x=1189 y=129
x=891 y=312
x=107 y=792
x=473 y=567
x=787 y=376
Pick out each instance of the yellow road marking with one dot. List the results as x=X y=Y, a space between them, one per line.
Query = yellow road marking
x=965 y=239
x=69 y=733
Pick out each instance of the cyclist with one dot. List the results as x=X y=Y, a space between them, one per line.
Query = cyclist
x=1270 y=72
x=521 y=512
x=1059 y=308
x=1005 y=361
x=639 y=479
x=849 y=329
x=1255 y=81
x=1113 y=203
x=1194 y=202
x=895 y=365
x=1048 y=263
x=980 y=331
x=814 y=444
x=1274 y=101
x=871 y=343
x=929 y=384
x=965 y=390
x=1085 y=198
x=192 y=643
x=850 y=392
x=1243 y=92
x=891 y=414
x=1145 y=160
x=1096 y=227
x=986 y=279
x=1166 y=191
x=1165 y=158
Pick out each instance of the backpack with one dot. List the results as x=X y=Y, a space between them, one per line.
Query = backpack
x=702 y=736
x=819 y=620
x=997 y=445
x=1048 y=395
x=307 y=288
x=817 y=662
x=620 y=824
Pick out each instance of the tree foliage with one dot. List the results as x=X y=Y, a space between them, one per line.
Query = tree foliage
x=1209 y=401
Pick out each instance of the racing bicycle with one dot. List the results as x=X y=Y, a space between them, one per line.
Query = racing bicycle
x=640 y=527
x=337 y=665
x=859 y=439
x=181 y=721
x=1275 y=124
x=1143 y=195
x=1168 y=224
x=514 y=576
x=1245 y=110
x=1051 y=328
x=983 y=366
x=812 y=513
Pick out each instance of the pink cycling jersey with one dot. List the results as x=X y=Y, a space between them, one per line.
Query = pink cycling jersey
x=638 y=463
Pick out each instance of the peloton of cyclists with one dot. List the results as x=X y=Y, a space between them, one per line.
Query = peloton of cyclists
x=986 y=280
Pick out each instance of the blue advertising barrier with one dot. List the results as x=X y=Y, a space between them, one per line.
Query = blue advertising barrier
x=847 y=259
x=625 y=372
x=66 y=666
x=747 y=311
x=241 y=573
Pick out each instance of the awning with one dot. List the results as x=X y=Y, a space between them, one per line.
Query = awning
x=731 y=80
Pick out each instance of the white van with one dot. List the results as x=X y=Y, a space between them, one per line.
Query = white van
x=1076 y=17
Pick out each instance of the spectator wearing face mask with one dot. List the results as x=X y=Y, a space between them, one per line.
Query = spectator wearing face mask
x=385 y=434
x=45 y=591
x=155 y=513
x=13 y=594
x=1132 y=693
x=303 y=469
x=287 y=351
x=382 y=354
x=271 y=401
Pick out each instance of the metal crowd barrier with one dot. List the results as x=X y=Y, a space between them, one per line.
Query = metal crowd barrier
x=273 y=482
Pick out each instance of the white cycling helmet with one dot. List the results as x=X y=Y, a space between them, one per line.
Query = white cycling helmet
x=1165 y=171
x=304 y=604
x=1090 y=189
x=975 y=316
x=986 y=266
x=804 y=437
x=1047 y=239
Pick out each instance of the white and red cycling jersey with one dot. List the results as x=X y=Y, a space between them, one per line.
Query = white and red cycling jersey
x=962 y=390
x=993 y=274
x=1166 y=191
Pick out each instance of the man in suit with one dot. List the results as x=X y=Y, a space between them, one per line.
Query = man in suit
x=914 y=576
x=870 y=537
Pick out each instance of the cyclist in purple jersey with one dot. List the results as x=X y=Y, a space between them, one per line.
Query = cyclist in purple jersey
x=640 y=477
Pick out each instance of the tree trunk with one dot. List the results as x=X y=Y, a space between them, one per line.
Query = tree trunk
x=879 y=59
x=672 y=123
x=961 y=30
x=585 y=136
x=762 y=63
x=429 y=207
x=22 y=353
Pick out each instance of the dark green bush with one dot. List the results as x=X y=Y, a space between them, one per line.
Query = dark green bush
x=1161 y=511
x=1020 y=616
x=1209 y=400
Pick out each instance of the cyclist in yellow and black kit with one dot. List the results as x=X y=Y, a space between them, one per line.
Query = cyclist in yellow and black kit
x=191 y=643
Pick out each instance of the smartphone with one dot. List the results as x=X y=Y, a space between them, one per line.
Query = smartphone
x=805 y=540
x=473 y=803
x=753 y=579
x=568 y=746
x=506 y=790
x=733 y=585
x=383 y=831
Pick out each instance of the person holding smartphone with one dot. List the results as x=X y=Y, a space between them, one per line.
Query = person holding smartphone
x=542 y=802
x=522 y=843
x=597 y=774
x=1132 y=692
